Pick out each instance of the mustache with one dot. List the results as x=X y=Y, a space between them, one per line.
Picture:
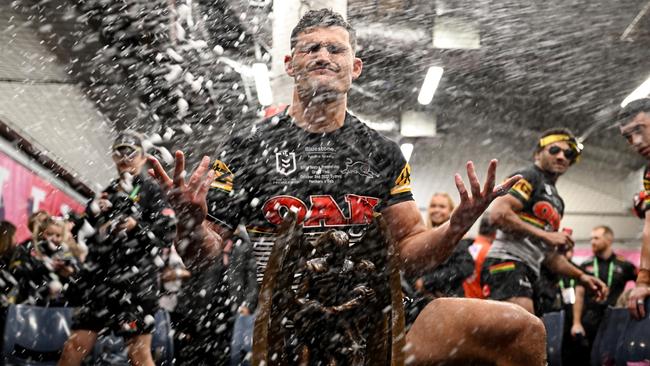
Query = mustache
x=323 y=66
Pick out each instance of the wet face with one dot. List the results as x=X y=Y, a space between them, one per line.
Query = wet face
x=439 y=210
x=600 y=241
x=129 y=160
x=54 y=234
x=553 y=158
x=322 y=63
x=637 y=133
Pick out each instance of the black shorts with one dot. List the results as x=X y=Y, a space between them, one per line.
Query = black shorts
x=125 y=318
x=502 y=279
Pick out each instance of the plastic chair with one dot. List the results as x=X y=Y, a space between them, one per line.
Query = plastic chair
x=554 y=324
x=34 y=336
x=242 y=340
x=607 y=341
x=634 y=345
x=111 y=350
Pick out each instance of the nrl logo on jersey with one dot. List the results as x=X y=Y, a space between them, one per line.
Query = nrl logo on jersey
x=285 y=162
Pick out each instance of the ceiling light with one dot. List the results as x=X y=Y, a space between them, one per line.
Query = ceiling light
x=263 y=84
x=641 y=92
x=430 y=85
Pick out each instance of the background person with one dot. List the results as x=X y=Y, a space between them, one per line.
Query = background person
x=134 y=225
x=615 y=271
x=528 y=220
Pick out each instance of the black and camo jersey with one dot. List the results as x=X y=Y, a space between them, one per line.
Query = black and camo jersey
x=331 y=180
x=543 y=208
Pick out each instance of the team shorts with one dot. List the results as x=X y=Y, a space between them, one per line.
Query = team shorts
x=126 y=315
x=502 y=279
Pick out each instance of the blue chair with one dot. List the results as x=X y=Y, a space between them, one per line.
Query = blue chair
x=162 y=342
x=34 y=336
x=111 y=349
x=608 y=338
x=554 y=324
x=634 y=345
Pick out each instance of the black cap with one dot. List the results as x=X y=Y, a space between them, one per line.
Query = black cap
x=128 y=139
x=633 y=108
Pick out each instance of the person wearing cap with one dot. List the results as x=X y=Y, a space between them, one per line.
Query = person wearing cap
x=118 y=283
x=528 y=222
x=634 y=124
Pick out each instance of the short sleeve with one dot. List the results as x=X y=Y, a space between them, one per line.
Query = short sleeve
x=399 y=177
x=630 y=271
x=524 y=188
x=228 y=191
x=587 y=267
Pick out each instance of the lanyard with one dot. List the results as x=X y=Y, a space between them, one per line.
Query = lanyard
x=572 y=283
x=134 y=193
x=610 y=271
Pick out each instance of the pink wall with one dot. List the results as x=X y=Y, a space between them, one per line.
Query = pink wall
x=23 y=192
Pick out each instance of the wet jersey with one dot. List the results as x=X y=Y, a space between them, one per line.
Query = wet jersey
x=132 y=262
x=332 y=180
x=543 y=208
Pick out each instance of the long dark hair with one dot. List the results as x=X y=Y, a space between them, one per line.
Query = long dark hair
x=7 y=233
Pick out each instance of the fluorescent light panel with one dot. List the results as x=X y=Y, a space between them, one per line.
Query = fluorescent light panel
x=263 y=84
x=417 y=124
x=430 y=84
x=641 y=92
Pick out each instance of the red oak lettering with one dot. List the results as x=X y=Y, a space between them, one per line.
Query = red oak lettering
x=361 y=208
x=545 y=211
x=324 y=211
x=277 y=206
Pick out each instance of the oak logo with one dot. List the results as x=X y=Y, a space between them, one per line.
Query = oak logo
x=285 y=162
x=322 y=210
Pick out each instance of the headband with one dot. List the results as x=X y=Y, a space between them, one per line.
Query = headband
x=573 y=143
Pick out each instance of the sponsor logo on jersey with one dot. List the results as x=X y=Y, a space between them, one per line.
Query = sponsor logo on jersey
x=523 y=188
x=322 y=210
x=358 y=167
x=546 y=212
x=403 y=181
x=223 y=177
x=285 y=162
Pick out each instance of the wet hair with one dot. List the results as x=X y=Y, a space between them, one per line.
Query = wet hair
x=129 y=138
x=607 y=231
x=40 y=228
x=632 y=109
x=33 y=219
x=552 y=131
x=485 y=227
x=7 y=232
x=322 y=18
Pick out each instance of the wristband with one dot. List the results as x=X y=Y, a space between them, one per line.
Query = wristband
x=643 y=277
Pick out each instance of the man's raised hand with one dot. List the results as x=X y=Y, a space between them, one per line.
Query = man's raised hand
x=472 y=206
x=187 y=198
